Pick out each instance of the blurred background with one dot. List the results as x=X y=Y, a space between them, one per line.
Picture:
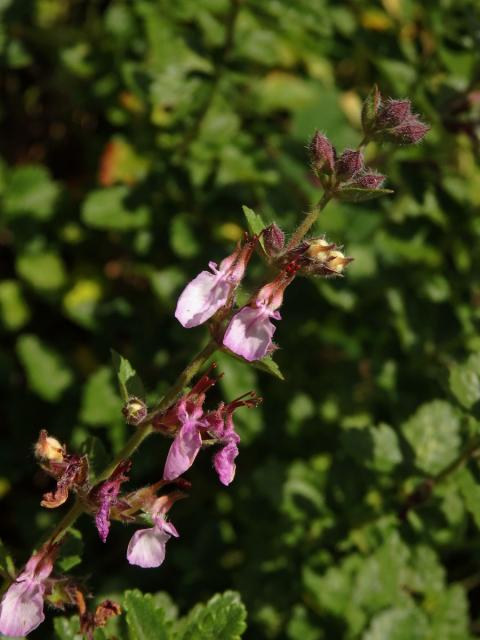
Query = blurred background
x=132 y=134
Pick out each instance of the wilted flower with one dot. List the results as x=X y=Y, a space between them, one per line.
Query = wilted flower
x=69 y=470
x=146 y=548
x=208 y=292
x=21 y=608
x=105 y=497
x=250 y=331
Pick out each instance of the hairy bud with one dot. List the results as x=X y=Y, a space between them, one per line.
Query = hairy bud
x=348 y=164
x=369 y=180
x=409 y=132
x=134 y=411
x=393 y=113
x=273 y=239
x=322 y=154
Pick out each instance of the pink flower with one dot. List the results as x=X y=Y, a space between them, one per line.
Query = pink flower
x=147 y=547
x=208 y=292
x=250 y=331
x=21 y=608
x=187 y=443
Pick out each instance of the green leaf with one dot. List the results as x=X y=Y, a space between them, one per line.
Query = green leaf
x=255 y=223
x=31 y=191
x=129 y=382
x=184 y=237
x=470 y=490
x=7 y=566
x=48 y=375
x=359 y=194
x=370 y=109
x=67 y=628
x=465 y=381
x=433 y=433
x=396 y=623
x=107 y=209
x=222 y=618
x=71 y=551
x=14 y=312
x=100 y=403
x=145 y=619
x=268 y=365
x=43 y=271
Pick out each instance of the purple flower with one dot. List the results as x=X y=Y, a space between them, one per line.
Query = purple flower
x=250 y=331
x=147 y=546
x=21 y=608
x=105 y=496
x=188 y=440
x=208 y=292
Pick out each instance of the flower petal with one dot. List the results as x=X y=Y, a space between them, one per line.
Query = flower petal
x=201 y=298
x=21 y=608
x=249 y=333
x=183 y=450
x=224 y=464
x=147 y=547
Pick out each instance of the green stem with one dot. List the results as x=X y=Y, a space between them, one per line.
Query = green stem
x=309 y=220
x=139 y=435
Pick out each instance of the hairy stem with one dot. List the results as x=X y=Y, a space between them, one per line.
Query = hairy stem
x=309 y=220
x=139 y=435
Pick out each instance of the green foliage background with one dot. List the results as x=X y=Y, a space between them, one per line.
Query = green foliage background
x=133 y=132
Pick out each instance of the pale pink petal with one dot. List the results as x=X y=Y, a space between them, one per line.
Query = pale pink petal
x=21 y=608
x=183 y=450
x=249 y=333
x=224 y=464
x=167 y=526
x=201 y=298
x=147 y=547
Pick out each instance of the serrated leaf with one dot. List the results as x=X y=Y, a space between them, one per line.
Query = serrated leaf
x=360 y=194
x=129 y=382
x=145 y=619
x=107 y=209
x=255 y=223
x=370 y=108
x=222 y=618
x=31 y=191
x=71 y=551
x=433 y=432
x=47 y=374
x=465 y=381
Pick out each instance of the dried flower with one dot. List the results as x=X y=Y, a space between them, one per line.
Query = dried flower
x=105 y=496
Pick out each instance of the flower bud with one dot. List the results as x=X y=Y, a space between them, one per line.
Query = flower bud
x=369 y=180
x=273 y=239
x=322 y=154
x=393 y=113
x=320 y=249
x=49 y=448
x=348 y=164
x=410 y=132
x=337 y=261
x=134 y=411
